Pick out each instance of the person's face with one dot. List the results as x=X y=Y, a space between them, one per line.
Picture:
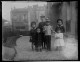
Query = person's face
x=59 y=22
x=33 y=25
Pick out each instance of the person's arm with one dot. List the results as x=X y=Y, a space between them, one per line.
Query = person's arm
x=55 y=35
x=30 y=36
x=61 y=35
x=58 y=36
x=51 y=29
x=56 y=29
x=44 y=28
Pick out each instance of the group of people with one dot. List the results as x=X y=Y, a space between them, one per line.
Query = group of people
x=40 y=36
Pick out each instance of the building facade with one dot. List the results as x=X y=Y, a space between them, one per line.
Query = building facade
x=34 y=13
x=19 y=18
x=67 y=11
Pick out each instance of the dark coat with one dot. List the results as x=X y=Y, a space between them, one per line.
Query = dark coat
x=41 y=25
x=38 y=39
x=33 y=35
x=61 y=27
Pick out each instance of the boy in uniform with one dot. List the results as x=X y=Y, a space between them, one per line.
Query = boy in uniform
x=48 y=31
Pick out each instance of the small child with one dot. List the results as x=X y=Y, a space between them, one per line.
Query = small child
x=33 y=35
x=38 y=40
x=59 y=41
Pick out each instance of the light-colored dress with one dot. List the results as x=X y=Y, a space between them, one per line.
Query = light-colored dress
x=59 y=41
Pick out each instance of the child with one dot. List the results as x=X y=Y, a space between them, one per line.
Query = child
x=33 y=34
x=48 y=29
x=38 y=40
x=60 y=26
x=59 y=42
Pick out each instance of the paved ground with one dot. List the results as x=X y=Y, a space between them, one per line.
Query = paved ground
x=24 y=51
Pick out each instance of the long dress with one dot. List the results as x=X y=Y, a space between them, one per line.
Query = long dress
x=59 y=41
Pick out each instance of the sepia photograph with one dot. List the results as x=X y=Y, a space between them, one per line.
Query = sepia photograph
x=39 y=30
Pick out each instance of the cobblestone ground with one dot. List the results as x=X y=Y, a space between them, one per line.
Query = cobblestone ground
x=24 y=51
